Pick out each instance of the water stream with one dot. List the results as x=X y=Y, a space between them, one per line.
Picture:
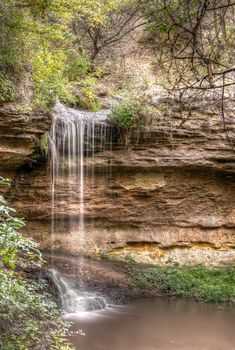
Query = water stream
x=75 y=137
x=76 y=301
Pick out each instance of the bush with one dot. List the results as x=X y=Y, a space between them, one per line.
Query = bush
x=199 y=283
x=56 y=75
x=129 y=117
x=29 y=317
x=129 y=114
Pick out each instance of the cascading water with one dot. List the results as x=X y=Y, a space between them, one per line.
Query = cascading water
x=76 y=136
x=73 y=300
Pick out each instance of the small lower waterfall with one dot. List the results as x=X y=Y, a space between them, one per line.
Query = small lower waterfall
x=76 y=137
x=74 y=301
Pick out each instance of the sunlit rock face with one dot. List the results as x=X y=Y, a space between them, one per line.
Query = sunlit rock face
x=182 y=216
x=169 y=199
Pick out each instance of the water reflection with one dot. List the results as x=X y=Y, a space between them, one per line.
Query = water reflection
x=157 y=324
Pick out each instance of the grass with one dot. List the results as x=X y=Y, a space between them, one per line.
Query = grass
x=203 y=284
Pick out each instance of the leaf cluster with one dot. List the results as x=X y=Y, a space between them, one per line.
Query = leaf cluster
x=29 y=318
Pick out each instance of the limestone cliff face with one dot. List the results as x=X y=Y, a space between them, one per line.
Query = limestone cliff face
x=20 y=133
x=169 y=199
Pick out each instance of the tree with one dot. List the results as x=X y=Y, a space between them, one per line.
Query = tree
x=105 y=24
x=194 y=45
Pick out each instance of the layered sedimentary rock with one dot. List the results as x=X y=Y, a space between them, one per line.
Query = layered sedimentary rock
x=167 y=199
x=20 y=133
x=157 y=216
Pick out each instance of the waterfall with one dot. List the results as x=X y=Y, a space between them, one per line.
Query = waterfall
x=73 y=300
x=75 y=138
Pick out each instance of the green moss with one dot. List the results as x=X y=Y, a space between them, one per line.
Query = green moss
x=40 y=155
x=43 y=145
x=203 y=284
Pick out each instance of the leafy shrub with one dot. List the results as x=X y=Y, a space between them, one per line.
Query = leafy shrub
x=129 y=117
x=129 y=114
x=49 y=59
x=56 y=77
x=29 y=317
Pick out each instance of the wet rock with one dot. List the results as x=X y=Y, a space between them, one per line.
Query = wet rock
x=99 y=276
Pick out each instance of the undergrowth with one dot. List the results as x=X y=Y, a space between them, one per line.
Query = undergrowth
x=30 y=318
x=215 y=285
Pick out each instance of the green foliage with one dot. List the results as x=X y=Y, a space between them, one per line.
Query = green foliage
x=15 y=250
x=130 y=117
x=50 y=80
x=84 y=76
x=29 y=316
x=12 y=46
x=199 y=283
x=40 y=154
x=40 y=50
x=86 y=97
x=78 y=67
x=36 y=45
x=129 y=114
x=8 y=90
x=96 y=12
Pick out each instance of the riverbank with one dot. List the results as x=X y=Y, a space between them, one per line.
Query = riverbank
x=213 y=285
x=121 y=282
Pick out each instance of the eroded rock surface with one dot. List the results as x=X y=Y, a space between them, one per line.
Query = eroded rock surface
x=169 y=199
x=20 y=133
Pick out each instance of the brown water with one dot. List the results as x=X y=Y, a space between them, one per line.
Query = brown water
x=156 y=324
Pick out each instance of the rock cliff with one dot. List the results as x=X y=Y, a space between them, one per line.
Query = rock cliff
x=20 y=132
x=169 y=199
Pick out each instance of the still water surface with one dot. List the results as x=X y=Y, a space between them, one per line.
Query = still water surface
x=156 y=324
